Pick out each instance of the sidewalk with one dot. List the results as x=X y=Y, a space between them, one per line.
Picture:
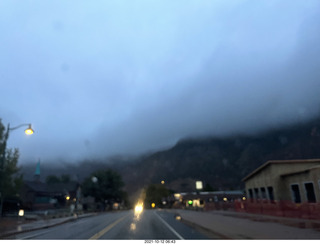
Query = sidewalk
x=234 y=225
x=12 y=226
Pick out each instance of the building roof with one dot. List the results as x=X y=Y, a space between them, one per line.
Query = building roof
x=300 y=171
x=38 y=186
x=236 y=192
x=295 y=161
x=205 y=195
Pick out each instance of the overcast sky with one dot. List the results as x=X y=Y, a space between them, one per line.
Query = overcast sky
x=98 y=78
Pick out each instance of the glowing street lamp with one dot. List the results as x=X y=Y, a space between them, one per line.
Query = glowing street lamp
x=29 y=130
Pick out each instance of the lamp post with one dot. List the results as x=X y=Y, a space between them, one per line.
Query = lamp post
x=28 y=131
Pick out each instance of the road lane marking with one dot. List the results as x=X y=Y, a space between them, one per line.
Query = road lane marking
x=170 y=228
x=105 y=230
x=32 y=236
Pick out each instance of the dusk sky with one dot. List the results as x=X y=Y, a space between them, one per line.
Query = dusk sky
x=99 y=78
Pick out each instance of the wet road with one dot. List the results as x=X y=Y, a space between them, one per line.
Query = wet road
x=123 y=225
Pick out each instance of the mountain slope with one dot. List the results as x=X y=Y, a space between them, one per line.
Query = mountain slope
x=223 y=162
x=219 y=162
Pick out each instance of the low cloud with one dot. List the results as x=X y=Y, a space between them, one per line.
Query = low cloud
x=106 y=79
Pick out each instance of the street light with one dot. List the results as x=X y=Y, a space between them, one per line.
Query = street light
x=28 y=131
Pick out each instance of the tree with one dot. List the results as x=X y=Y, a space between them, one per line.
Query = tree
x=52 y=179
x=104 y=185
x=65 y=178
x=10 y=180
x=208 y=187
x=156 y=193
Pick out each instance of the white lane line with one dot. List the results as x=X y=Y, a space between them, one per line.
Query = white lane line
x=34 y=235
x=170 y=228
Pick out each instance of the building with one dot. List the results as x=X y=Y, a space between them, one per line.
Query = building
x=304 y=185
x=36 y=195
x=214 y=200
x=297 y=181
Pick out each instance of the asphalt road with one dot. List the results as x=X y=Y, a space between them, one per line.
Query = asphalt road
x=122 y=225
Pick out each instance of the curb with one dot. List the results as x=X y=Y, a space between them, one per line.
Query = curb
x=12 y=233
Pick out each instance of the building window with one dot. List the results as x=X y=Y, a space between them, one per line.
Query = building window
x=270 y=193
x=256 y=193
x=295 y=193
x=311 y=197
x=250 y=194
x=263 y=193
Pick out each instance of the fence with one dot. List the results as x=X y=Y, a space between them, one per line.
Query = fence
x=280 y=208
